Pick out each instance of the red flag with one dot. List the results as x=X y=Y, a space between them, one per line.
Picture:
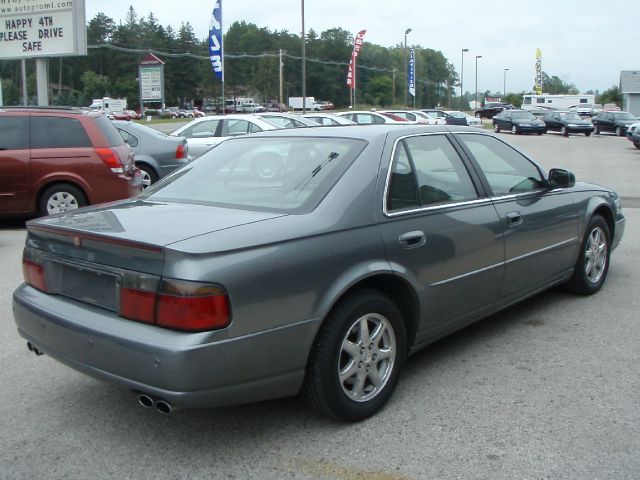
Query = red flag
x=357 y=45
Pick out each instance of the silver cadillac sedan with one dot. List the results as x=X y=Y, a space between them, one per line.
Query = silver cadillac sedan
x=307 y=261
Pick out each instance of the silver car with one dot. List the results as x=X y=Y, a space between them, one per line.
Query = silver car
x=311 y=260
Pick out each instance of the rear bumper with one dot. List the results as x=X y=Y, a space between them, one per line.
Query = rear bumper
x=185 y=369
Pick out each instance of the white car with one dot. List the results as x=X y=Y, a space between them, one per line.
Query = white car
x=204 y=133
x=328 y=119
x=416 y=116
x=375 y=118
x=287 y=120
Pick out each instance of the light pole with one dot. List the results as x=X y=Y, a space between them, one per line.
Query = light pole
x=406 y=77
x=461 y=76
x=477 y=57
x=304 y=64
x=504 y=85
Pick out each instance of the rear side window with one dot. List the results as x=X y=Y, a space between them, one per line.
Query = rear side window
x=109 y=132
x=14 y=133
x=58 y=132
x=428 y=171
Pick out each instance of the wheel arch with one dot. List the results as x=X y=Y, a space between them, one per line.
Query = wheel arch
x=45 y=186
x=393 y=286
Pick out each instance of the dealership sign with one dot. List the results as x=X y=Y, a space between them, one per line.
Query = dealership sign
x=151 y=74
x=42 y=28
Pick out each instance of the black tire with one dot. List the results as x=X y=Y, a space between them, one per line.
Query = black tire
x=496 y=128
x=587 y=134
x=637 y=145
x=149 y=175
x=596 y=129
x=59 y=198
x=592 y=265
x=478 y=115
x=619 y=131
x=564 y=132
x=514 y=130
x=323 y=388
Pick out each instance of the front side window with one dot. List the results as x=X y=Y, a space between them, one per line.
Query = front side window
x=507 y=171
x=428 y=171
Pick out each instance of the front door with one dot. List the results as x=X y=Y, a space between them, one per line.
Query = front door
x=540 y=225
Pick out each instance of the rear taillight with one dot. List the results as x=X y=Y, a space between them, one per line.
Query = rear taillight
x=181 y=152
x=111 y=159
x=178 y=305
x=34 y=274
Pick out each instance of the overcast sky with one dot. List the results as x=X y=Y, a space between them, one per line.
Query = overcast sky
x=586 y=43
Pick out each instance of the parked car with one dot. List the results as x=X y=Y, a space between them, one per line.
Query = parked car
x=371 y=118
x=567 y=122
x=287 y=120
x=203 y=134
x=250 y=107
x=491 y=109
x=412 y=115
x=57 y=159
x=518 y=121
x=325 y=105
x=435 y=117
x=219 y=286
x=585 y=109
x=610 y=107
x=174 y=112
x=631 y=129
x=154 y=153
x=455 y=117
x=635 y=138
x=328 y=119
x=609 y=121
x=123 y=115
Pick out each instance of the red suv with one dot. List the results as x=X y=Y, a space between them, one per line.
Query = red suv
x=56 y=159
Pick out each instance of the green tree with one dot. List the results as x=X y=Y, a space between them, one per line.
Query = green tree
x=611 y=95
x=94 y=85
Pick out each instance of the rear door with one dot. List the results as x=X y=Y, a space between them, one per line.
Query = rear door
x=441 y=233
x=203 y=136
x=15 y=166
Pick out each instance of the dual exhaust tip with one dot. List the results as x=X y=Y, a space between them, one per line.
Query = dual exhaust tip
x=162 y=406
x=147 y=401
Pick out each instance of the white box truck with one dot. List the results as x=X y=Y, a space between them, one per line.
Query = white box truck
x=108 y=105
x=296 y=103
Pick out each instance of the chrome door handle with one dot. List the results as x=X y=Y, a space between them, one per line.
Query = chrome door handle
x=514 y=218
x=412 y=239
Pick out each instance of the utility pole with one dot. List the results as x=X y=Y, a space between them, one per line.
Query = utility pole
x=281 y=69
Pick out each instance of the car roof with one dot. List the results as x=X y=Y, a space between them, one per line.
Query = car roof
x=363 y=132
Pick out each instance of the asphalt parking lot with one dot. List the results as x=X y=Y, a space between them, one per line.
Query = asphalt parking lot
x=549 y=389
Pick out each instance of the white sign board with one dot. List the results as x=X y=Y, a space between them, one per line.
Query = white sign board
x=42 y=28
x=151 y=83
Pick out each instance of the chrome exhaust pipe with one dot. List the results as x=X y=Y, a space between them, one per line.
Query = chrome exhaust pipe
x=164 y=407
x=35 y=350
x=146 y=401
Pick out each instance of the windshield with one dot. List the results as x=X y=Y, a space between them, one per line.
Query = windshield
x=523 y=115
x=280 y=174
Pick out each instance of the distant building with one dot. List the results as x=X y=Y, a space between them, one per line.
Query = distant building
x=630 y=91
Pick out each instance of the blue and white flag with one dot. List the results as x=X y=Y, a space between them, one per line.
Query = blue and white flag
x=411 y=74
x=215 y=40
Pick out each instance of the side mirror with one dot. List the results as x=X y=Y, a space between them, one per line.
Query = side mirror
x=560 y=178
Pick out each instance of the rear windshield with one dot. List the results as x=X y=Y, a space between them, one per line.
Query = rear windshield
x=284 y=174
x=110 y=133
